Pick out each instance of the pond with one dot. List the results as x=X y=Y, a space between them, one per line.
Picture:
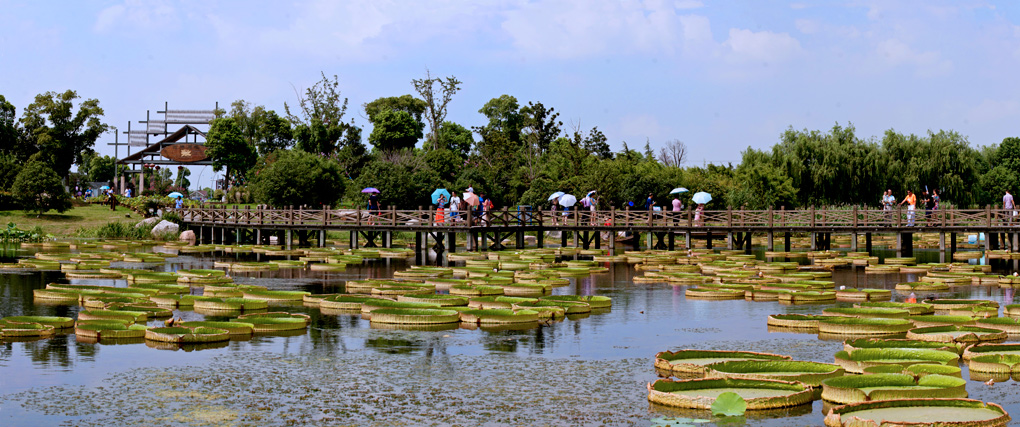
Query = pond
x=343 y=370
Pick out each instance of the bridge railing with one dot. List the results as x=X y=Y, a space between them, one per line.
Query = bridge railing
x=842 y=218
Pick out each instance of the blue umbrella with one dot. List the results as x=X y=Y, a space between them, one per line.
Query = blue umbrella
x=679 y=190
x=556 y=195
x=105 y=187
x=175 y=195
x=701 y=197
x=440 y=192
x=370 y=190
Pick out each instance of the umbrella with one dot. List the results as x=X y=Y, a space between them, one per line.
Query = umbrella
x=679 y=190
x=568 y=200
x=440 y=192
x=370 y=190
x=556 y=195
x=175 y=195
x=105 y=187
x=471 y=199
x=590 y=193
x=701 y=197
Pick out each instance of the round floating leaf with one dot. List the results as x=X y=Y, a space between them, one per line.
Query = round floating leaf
x=729 y=404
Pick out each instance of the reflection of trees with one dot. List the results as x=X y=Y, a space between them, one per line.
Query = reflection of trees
x=435 y=359
x=51 y=352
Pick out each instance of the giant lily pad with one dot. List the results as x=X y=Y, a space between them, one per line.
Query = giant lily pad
x=687 y=362
x=811 y=373
x=703 y=393
x=857 y=360
x=853 y=388
x=918 y=412
x=961 y=334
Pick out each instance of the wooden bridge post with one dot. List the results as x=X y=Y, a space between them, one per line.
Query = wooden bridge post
x=540 y=237
x=814 y=238
x=952 y=243
x=451 y=238
x=417 y=247
x=853 y=240
x=942 y=241
x=354 y=239
x=290 y=237
x=770 y=241
x=729 y=240
x=786 y=241
x=612 y=242
x=671 y=244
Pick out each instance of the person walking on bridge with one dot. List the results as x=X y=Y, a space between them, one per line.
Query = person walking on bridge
x=887 y=203
x=1009 y=206
x=911 y=201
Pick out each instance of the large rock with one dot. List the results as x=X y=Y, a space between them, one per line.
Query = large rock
x=164 y=228
x=188 y=236
x=147 y=222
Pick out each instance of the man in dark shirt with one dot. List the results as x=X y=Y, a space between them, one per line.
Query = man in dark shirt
x=649 y=203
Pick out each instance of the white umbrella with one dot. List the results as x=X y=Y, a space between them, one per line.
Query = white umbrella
x=679 y=190
x=701 y=197
x=590 y=193
x=556 y=195
x=568 y=200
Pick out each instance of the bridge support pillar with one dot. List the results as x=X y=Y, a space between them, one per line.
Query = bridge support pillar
x=289 y=237
x=729 y=240
x=354 y=239
x=708 y=240
x=786 y=241
x=573 y=236
x=637 y=241
x=942 y=241
x=540 y=236
x=484 y=245
x=747 y=243
x=867 y=243
x=814 y=241
x=671 y=244
x=322 y=239
x=258 y=236
x=563 y=239
x=770 y=241
x=650 y=240
x=1014 y=242
x=687 y=239
x=451 y=239
x=417 y=247
x=612 y=242
x=952 y=243
x=520 y=239
x=905 y=244
x=853 y=242
x=598 y=240
x=988 y=241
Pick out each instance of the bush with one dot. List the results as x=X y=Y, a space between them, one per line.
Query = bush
x=38 y=189
x=115 y=230
x=293 y=177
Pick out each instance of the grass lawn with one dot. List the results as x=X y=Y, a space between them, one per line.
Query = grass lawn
x=65 y=224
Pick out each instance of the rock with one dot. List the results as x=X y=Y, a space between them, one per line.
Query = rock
x=188 y=236
x=164 y=228
x=147 y=222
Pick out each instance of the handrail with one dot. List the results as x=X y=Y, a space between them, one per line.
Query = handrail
x=804 y=219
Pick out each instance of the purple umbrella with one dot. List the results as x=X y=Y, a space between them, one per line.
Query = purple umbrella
x=370 y=190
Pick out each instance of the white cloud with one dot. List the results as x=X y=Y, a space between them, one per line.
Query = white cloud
x=897 y=53
x=638 y=127
x=808 y=26
x=764 y=46
x=137 y=15
x=688 y=4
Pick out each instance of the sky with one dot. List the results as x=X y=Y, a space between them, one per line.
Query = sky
x=720 y=76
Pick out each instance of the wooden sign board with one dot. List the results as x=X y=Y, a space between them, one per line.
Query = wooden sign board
x=184 y=153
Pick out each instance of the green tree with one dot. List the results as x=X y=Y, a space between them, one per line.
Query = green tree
x=407 y=103
x=37 y=188
x=263 y=129
x=437 y=94
x=294 y=177
x=228 y=149
x=394 y=130
x=456 y=138
x=99 y=168
x=319 y=125
x=62 y=134
x=182 y=180
x=10 y=133
x=10 y=166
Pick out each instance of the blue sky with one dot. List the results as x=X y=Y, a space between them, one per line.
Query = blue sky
x=720 y=76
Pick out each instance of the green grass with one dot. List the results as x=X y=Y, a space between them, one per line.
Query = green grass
x=67 y=224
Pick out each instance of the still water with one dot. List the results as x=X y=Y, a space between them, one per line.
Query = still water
x=342 y=371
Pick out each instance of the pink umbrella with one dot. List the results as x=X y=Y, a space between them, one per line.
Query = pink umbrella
x=471 y=199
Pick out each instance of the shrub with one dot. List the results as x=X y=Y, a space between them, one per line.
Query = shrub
x=38 y=189
x=292 y=177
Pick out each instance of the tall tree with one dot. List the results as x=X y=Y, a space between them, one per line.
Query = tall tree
x=10 y=133
x=319 y=121
x=413 y=106
x=62 y=134
x=228 y=149
x=541 y=126
x=263 y=129
x=673 y=154
x=436 y=99
x=394 y=130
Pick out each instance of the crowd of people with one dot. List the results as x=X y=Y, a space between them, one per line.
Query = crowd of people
x=929 y=201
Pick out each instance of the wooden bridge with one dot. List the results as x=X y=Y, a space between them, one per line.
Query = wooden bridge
x=586 y=228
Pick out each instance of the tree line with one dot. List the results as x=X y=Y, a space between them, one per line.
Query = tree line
x=314 y=153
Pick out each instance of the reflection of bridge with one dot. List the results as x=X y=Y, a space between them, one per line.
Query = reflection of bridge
x=586 y=228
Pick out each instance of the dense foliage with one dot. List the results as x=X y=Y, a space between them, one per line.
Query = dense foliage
x=294 y=178
x=37 y=188
x=314 y=154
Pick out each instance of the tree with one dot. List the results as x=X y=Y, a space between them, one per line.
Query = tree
x=182 y=180
x=541 y=126
x=394 y=130
x=436 y=100
x=98 y=168
x=37 y=188
x=263 y=129
x=61 y=134
x=413 y=106
x=228 y=149
x=10 y=133
x=320 y=128
x=673 y=154
x=10 y=166
x=504 y=114
x=456 y=138
x=294 y=177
